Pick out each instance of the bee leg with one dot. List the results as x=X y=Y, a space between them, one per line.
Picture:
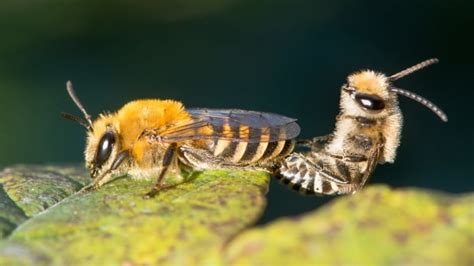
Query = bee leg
x=316 y=143
x=167 y=159
x=306 y=143
x=353 y=158
x=96 y=182
x=87 y=188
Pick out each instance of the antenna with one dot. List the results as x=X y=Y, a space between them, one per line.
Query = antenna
x=412 y=69
x=423 y=101
x=87 y=123
x=76 y=119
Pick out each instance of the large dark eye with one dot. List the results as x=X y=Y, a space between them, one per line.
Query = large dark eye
x=371 y=102
x=105 y=148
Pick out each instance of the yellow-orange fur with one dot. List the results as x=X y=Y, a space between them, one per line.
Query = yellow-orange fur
x=370 y=82
x=130 y=122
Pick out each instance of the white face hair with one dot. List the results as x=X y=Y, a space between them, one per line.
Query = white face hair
x=371 y=95
x=366 y=94
x=102 y=147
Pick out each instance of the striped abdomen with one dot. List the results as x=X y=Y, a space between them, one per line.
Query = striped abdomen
x=244 y=145
x=245 y=153
x=238 y=146
x=308 y=176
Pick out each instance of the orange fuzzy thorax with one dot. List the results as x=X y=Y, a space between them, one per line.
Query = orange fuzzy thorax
x=139 y=115
x=131 y=121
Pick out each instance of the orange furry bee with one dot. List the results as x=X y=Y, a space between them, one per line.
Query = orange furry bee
x=151 y=138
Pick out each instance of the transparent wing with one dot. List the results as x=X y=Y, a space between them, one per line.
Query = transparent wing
x=233 y=124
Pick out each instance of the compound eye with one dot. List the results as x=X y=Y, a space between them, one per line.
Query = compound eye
x=370 y=102
x=105 y=148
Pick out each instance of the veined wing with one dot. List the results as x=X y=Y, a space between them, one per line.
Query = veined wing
x=234 y=125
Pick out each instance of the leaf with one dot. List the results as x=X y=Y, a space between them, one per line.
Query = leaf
x=10 y=216
x=377 y=226
x=205 y=222
x=189 y=224
x=36 y=188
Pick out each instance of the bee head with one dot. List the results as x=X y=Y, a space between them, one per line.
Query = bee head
x=103 y=145
x=103 y=140
x=370 y=94
x=366 y=94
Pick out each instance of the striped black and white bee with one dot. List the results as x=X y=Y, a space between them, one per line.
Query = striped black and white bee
x=367 y=133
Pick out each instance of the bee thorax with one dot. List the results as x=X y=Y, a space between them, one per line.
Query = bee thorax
x=360 y=135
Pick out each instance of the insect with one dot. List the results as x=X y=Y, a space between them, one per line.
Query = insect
x=367 y=133
x=154 y=138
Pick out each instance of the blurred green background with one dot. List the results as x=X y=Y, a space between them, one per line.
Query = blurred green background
x=285 y=56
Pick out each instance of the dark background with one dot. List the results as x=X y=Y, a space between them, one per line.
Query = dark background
x=282 y=56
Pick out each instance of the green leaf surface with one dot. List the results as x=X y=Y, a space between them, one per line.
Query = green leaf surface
x=36 y=188
x=114 y=225
x=377 y=226
x=205 y=222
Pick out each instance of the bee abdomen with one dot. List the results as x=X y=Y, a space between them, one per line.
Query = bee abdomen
x=264 y=144
x=254 y=153
x=298 y=173
x=277 y=149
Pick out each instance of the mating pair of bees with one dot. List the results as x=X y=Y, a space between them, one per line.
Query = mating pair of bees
x=161 y=139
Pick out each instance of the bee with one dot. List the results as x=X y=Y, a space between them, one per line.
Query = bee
x=158 y=138
x=367 y=133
